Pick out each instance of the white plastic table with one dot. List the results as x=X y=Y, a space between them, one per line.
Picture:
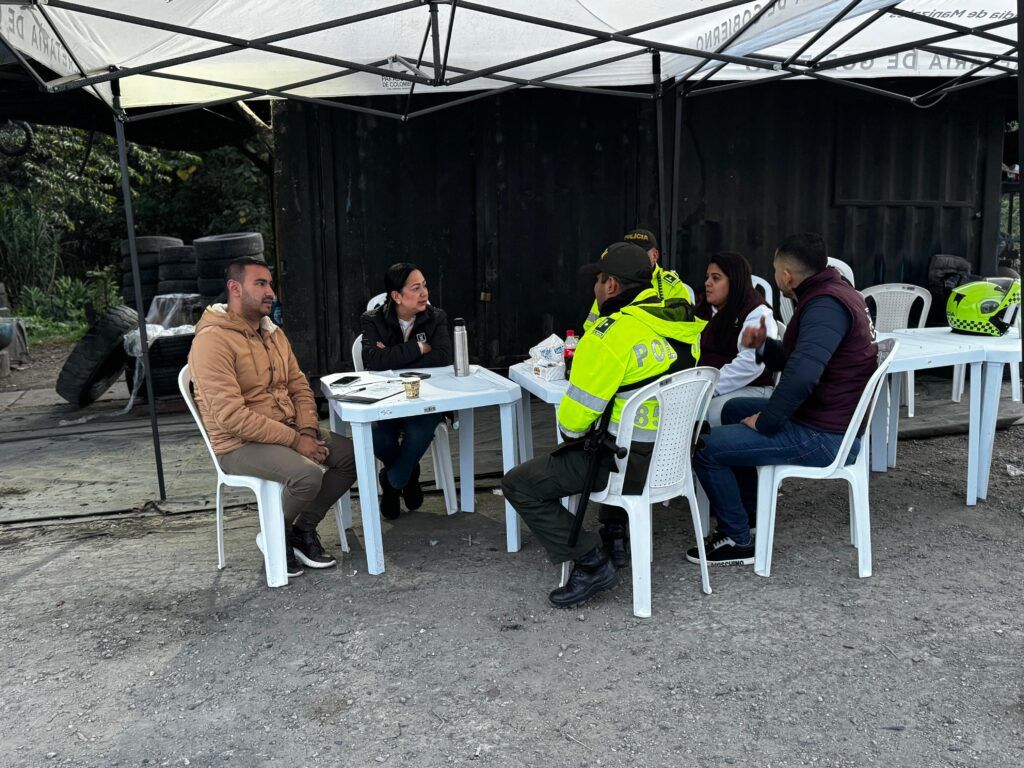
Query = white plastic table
x=986 y=382
x=919 y=351
x=549 y=392
x=443 y=391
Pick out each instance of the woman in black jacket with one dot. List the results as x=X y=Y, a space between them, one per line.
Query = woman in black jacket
x=404 y=332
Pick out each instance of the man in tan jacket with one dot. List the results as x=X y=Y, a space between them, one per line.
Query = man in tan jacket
x=259 y=410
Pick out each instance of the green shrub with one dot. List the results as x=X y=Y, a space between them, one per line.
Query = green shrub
x=68 y=300
x=29 y=243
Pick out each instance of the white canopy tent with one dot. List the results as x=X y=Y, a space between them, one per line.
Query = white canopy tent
x=150 y=58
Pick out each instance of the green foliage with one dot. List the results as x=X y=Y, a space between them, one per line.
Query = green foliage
x=68 y=300
x=29 y=243
x=42 y=331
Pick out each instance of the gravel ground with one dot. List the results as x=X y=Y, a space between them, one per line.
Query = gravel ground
x=124 y=646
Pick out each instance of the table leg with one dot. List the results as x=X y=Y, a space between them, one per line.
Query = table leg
x=339 y=427
x=973 y=440
x=508 y=461
x=525 y=428
x=467 y=478
x=366 y=472
x=895 y=392
x=880 y=431
x=992 y=376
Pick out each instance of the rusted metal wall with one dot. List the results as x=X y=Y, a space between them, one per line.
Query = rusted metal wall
x=501 y=200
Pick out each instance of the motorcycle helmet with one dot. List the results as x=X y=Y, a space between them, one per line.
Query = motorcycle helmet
x=984 y=308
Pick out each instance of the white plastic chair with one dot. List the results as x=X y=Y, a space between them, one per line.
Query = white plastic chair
x=769 y=478
x=376 y=301
x=689 y=290
x=786 y=304
x=440 y=447
x=268 y=502
x=765 y=288
x=893 y=302
x=683 y=400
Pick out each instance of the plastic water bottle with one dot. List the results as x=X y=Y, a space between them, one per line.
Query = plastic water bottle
x=461 y=348
x=569 y=350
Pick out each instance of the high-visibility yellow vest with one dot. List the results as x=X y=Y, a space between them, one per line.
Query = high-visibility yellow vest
x=664 y=281
x=623 y=352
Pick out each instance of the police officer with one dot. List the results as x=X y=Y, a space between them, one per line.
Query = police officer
x=637 y=339
x=666 y=282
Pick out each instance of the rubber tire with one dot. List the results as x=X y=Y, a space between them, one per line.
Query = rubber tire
x=177 y=272
x=97 y=361
x=227 y=247
x=150 y=244
x=170 y=351
x=178 y=254
x=146 y=276
x=165 y=287
x=165 y=380
x=210 y=287
x=215 y=268
x=146 y=261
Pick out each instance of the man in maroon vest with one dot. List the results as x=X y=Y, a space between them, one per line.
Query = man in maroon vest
x=826 y=357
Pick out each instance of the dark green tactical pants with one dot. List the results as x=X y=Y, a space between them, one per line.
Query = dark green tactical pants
x=536 y=488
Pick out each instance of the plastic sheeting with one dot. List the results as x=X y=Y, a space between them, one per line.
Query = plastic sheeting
x=478 y=39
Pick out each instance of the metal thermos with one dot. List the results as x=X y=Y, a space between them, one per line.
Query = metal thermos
x=461 y=348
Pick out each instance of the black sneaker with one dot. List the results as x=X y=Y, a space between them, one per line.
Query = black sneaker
x=413 y=492
x=592 y=574
x=390 y=505
x=292 y=567
x=722 y=550
x=307 y=548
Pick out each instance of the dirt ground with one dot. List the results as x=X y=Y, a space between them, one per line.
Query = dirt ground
x=124 y=646
x=41 y=372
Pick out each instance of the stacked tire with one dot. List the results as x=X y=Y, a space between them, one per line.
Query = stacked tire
x=177 y=270
x=149 y=249
x=214 y=253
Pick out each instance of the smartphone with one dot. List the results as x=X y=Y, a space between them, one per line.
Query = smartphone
x=409 y=374
x=344 y=381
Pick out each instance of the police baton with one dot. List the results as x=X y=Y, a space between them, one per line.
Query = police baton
x=595 y=440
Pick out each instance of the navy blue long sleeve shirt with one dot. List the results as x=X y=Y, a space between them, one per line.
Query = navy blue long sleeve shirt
x=824 y=322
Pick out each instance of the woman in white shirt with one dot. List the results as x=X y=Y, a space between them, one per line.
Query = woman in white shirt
x=731 y=304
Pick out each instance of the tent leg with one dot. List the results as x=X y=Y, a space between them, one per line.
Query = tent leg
x=122 y=156
x=674 y=257
x=660 y=131
x=1020 y=145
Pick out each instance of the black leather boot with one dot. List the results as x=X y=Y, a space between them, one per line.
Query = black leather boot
x=413 y=491
x=615 y=537
x=390 y=499
x=591 y=574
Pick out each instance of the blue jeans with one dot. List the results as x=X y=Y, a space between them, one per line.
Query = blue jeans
x=401 y=443
x=726 y=464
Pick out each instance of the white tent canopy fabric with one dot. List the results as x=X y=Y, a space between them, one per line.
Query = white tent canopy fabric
x=197 y=51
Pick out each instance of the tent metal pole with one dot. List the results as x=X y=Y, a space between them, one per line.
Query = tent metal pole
x=963 y=30
x=850 y=35
x=817 y=35
x=1020 y=156
x=129 y=216
x=960 y=78
x=659 y=124
x=902 y=47
x=674 y=257
x=233 y=44
x=448 y=41
x=730 y=40
x=435 y=38
x=973 y=59
x=741 y=84
x=598 y=37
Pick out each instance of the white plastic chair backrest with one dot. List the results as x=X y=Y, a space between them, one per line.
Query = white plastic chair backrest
x=843 y=268
x=893 y=302
x=376 y=301
x=689 y=290
x=185 y=385
x=866 y=404
x=786 y=308
x=762 y=285
x=357 y=353
x=683 y=400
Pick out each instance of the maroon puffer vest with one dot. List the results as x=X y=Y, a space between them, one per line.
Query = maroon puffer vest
x=715 y=353
x=831 y=404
